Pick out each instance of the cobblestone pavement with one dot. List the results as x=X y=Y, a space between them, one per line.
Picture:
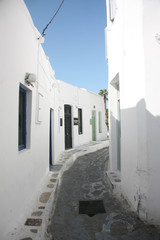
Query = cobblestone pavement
x=85 y=181
x=36 y=219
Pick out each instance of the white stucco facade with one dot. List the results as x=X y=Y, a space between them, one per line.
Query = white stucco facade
x=66 y=94
x=133 y=53
x=22 y=172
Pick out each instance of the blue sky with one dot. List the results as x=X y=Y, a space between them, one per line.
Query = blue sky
x=74 y=42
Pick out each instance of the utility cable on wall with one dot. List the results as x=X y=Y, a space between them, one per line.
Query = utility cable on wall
x=52 y=19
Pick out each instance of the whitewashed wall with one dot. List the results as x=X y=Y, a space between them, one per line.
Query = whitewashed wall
x=21 y=172
x=152 y=86
x=77 y=98
x=134 y=53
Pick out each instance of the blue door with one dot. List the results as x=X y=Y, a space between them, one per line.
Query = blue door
x=51 y=138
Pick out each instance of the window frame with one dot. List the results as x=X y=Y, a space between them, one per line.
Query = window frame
x=24 y=92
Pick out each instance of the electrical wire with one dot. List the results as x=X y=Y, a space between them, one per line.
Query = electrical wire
x=52 y=19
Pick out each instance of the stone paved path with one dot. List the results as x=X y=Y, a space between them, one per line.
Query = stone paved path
x=85 y=181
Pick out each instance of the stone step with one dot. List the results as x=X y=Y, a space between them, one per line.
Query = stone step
x=113 y=179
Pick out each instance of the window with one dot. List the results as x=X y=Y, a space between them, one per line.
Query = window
x=61 y=122
x=22 y=119
x=80 y=131
x=100 y=122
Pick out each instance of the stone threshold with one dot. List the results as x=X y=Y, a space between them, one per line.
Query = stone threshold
x=113 y=179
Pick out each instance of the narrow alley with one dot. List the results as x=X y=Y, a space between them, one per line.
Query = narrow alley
x=80 y=120
x=86 y=209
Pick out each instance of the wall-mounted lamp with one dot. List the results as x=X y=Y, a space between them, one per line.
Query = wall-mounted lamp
x=30 y=78
x=94 y=106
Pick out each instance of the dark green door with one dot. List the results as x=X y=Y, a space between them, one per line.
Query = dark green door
x=93 y=125
x=68 y=126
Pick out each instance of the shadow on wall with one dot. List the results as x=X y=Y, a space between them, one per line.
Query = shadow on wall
x=115 y=138
x=139 y=156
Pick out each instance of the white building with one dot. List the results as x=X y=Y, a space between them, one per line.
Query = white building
x=32 y=106
x=133 y=53
x=79 y=117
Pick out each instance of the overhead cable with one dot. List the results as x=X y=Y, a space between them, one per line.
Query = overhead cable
x=52 y=19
